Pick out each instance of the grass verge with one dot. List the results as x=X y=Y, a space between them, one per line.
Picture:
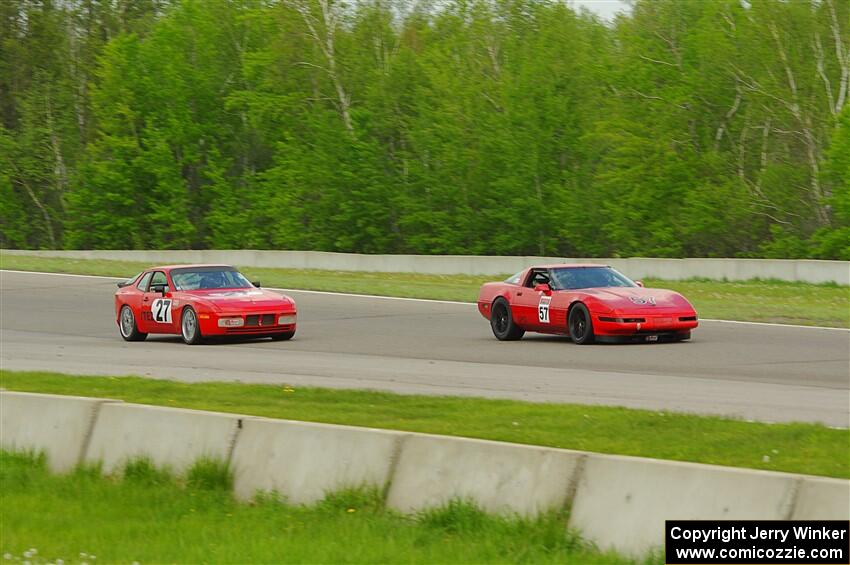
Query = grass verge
x=150 y=516
x=797 y=448
x=759 y=301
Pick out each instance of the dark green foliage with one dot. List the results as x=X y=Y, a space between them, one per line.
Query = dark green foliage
x=685 y=128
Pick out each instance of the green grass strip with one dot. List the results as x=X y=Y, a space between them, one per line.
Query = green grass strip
x=796 y=448
x=150 y=516
x=759 y=301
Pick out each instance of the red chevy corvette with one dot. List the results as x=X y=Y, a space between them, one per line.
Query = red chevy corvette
x=587 y=302
x=198 y=301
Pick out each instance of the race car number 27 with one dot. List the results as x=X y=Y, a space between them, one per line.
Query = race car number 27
x=543 y=309
x=161 y=310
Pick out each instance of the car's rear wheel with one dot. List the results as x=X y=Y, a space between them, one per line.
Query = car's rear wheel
x=127 y=325
x=282 y=336
x=580 y=324
x=502 y=322
x=189 y=329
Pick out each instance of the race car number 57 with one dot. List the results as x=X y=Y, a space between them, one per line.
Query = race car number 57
x=543 y=309
x=161 y=310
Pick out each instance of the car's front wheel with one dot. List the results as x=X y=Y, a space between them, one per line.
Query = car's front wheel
x=502 y=322
x=580 y=324
x=189 y=329
x=282 y=336
x=127 y=325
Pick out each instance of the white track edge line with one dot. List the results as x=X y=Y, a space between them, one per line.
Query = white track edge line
x=61 y=274
x=426 y=300
x=773 y=324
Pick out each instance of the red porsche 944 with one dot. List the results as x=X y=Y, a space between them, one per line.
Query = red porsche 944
x=586 y=302
x=198 y=301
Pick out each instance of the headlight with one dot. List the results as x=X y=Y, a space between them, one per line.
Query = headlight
x=234 y=322
x=286 y=319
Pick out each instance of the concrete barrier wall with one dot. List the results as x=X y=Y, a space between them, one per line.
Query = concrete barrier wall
x=304 y=461
x=822 y=499
x=812 y=271
x=622 y=502
x=169 y=437
x=498 y=477
x=59 y=426
x=616 y=502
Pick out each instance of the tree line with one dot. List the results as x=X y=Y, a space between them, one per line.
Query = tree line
x=683 y=128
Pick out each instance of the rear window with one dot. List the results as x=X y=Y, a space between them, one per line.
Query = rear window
x=143 y=284
x=514 y=279
x=132 y=279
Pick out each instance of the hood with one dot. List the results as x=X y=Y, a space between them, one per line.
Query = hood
x=638 y=298
x=242 y=298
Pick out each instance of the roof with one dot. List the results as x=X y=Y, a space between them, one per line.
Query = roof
x=567 y=265
x=547 y=266
x=190 y=266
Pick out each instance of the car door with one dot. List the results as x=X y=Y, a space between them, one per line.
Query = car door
x=156 y=306
x=530 y=308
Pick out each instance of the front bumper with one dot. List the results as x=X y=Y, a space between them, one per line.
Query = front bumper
x=645 y=337
x=667 y=324
x=253 y=323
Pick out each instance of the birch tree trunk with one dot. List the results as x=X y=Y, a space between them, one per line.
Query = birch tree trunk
x=323 y=32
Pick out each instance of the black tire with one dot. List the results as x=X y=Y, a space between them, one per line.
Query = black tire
x=127 y=325
x=502 y=322
x=580 y=324
x=282 y=336
x=190 y=331
x=682 y=337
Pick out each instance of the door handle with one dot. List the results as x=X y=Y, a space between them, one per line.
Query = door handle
x=519 y=294
x=145 y=299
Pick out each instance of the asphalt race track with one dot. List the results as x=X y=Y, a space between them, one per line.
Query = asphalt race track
x=754 y=371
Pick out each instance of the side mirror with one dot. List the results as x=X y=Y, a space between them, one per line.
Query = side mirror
x=160 y=288
x=122 y=284
x=543 y=287
x=639 y=283
x=256 y=283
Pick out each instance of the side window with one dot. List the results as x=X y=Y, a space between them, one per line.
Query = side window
x=537 y=276
x=158 y=278
x=143 y=284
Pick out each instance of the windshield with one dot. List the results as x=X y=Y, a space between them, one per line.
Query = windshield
x=587 y=277
x=205 y=278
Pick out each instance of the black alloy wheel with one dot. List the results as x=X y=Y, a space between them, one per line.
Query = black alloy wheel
x=580 y=325
x=502 y=323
